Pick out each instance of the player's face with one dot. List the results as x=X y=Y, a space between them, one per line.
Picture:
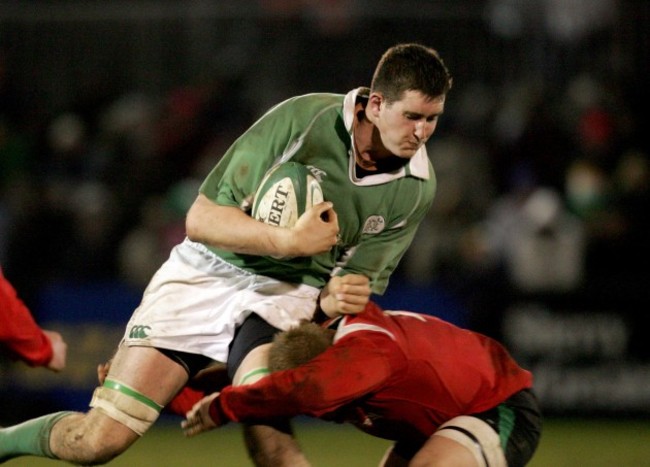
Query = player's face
x=407 y=124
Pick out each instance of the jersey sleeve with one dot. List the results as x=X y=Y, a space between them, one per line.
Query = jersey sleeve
x=237 y=175
x=343 y=373
x=19 y=333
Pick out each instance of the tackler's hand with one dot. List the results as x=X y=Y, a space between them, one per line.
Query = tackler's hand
x=59 y=351
x=102 y=371
x=347 y=294
x=206 y=415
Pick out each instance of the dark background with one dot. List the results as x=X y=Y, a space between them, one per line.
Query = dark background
x=111 y=113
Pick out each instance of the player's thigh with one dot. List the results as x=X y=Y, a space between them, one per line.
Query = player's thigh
x=444 y=452
x=462 y=441
x=248 y=361
x=254 y=366
x=149 y=372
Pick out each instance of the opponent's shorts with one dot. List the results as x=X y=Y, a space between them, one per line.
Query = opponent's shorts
x=195 y=302
x=506 y=435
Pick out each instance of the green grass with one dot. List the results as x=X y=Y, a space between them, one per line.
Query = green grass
x=565 y=443
x=594 y=443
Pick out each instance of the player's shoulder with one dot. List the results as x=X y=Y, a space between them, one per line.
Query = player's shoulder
x=318 y=97
x=313 y=103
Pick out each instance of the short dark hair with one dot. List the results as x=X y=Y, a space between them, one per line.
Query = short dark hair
x=411 y=67
x=296 y=346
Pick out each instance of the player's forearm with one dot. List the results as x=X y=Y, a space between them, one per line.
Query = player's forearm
x=316 y=388
x=35 y=351
x=19 y=332
x=283 y=394
x=29 y=344
x=247 y=406
x=229 y=228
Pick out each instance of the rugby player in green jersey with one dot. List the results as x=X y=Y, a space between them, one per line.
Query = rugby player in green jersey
x=224 y=284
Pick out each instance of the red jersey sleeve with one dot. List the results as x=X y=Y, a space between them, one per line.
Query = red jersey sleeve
x=19 y=333
x=341 y=374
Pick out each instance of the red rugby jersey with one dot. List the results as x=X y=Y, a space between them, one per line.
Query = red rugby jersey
x=395 y=375
x=19 y=333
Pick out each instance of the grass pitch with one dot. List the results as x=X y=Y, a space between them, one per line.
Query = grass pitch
x=565 y=443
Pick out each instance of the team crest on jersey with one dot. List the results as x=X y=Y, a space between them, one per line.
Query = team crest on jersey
x=374 y=225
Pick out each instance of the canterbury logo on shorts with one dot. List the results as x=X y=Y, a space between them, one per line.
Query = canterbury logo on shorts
x=139 y=332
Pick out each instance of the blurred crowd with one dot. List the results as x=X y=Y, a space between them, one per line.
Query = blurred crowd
x=542 y=189
x=101 y=193
x=550 y=203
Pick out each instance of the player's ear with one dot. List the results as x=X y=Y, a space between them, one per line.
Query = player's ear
x=375 y=102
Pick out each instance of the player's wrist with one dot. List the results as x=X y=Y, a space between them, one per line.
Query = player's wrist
x=216 y=412
x=281 y=240
x=328 y=306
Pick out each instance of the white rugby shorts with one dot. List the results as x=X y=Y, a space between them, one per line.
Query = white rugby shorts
x=195 y=301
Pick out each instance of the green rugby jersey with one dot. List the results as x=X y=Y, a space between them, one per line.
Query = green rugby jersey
x=378 y=214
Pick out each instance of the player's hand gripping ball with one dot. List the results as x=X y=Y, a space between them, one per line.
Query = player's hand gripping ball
x=285 y=193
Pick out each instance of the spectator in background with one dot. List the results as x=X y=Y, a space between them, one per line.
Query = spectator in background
x=528 y=245
x=160 y=227
x=23 y=338
x=632 y=186
x=463 y=196
x=539 y=241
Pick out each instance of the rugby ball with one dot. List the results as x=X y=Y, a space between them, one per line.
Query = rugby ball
x=285 y=193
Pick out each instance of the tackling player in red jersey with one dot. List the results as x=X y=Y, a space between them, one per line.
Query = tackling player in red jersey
x=22 y=337
x=441 y=392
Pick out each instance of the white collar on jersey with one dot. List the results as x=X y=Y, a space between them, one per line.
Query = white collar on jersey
x=418 y=164
x=343 y=329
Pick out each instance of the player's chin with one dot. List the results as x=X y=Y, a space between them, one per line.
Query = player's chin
x=406 y=152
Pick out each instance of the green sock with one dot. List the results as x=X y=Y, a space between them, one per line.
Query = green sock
x=29 y=438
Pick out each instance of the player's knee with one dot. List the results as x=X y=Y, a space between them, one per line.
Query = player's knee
x=119 y=416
